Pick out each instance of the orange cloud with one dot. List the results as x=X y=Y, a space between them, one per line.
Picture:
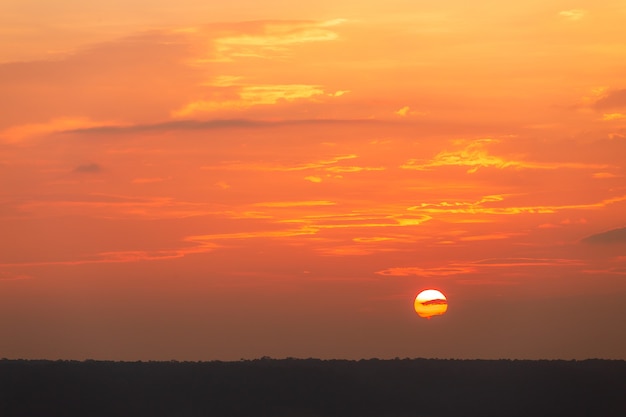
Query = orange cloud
x=478 y=267
x=610 y=99
x=10 y=276
x=254 y=95
x=573 y=14
x=274 y=38
x=32 y=130
x=117 y=206
x=331 y=164
x=613 y=116
x=475 y=156
x=288 y=204
x=149 y=180
x=491 y=236
x=604 y=175
x=482 y=207
x=509 y=262
x=127 y=256
x=427 y=272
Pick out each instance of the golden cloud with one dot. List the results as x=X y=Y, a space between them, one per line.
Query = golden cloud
x=273 y=38
x=255 y=95
x=573 y=14
x=475 y=156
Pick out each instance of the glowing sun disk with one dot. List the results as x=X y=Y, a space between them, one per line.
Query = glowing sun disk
x=429 y=303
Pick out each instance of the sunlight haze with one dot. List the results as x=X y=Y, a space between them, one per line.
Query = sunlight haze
x=200 y=180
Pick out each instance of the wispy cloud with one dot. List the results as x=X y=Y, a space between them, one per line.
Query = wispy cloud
x=192 y=124
x=485 y=206
x=99 y=84
x=313 y=179
x=611 y=99
x=610 y=237
x=333 y=165
x=273 y=38
x=267 y=40
x=253 y=95
x=116 y=206
x=573 y=14
x=11 y=276
x=489 y=236
x=604 y=175
x=91 y=168
x=508 y=262
x=475 y=155
x=31 y=130
x=288 y=204
x=620 y=271
x=427 y=272
x=476 y=267
x=127 y=256
x=613 y=116
x=149 y=180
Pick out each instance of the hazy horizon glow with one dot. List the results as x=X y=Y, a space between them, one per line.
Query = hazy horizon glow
x=200 y=181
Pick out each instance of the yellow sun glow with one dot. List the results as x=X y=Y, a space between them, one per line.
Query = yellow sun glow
x=429 y=303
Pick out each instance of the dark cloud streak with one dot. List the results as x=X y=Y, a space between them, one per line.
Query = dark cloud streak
x=613 y=100
x=91 y=168
x=614 y=236
x=209 y=125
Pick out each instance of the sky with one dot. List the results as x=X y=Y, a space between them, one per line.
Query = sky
x=196 y=180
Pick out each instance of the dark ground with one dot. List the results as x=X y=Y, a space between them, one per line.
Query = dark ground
x=314 y=388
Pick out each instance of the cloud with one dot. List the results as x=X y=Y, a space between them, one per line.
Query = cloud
x=330 y=165
x=115 y=206
x=287 y=204
x=427 y=272
x=9 y=276
x=614 y=99
x=509 y=262
x=607 y=117
x=562 y=223
x=403 y=111
x=475 y=156
x=604 y=175
x=155 y=73
x=273 y=38
x=27 y=131
x=192 y=124
x=108 y=81
x=486 y=206
x=406 y=111
x=610 y=237
x=490 y=236
x=91 y=168
x=573 y=14
x=127 y=256
x=479 y=266
x=267 y=40
x=149 y=180
x=606 y=271
x=254 y=95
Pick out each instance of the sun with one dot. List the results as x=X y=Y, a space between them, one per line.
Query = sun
x=429 y=303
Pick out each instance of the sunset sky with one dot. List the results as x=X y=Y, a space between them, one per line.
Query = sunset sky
x=200 y=180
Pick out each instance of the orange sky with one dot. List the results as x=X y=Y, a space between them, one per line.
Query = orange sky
x=196 y=180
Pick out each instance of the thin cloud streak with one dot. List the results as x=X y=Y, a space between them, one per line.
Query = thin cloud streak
x=480 y=266
x=475 y=156
x=610 y=237
x=209 y=125
x=614 y=99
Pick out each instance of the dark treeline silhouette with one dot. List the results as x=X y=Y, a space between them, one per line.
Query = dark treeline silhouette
x=313 y=388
